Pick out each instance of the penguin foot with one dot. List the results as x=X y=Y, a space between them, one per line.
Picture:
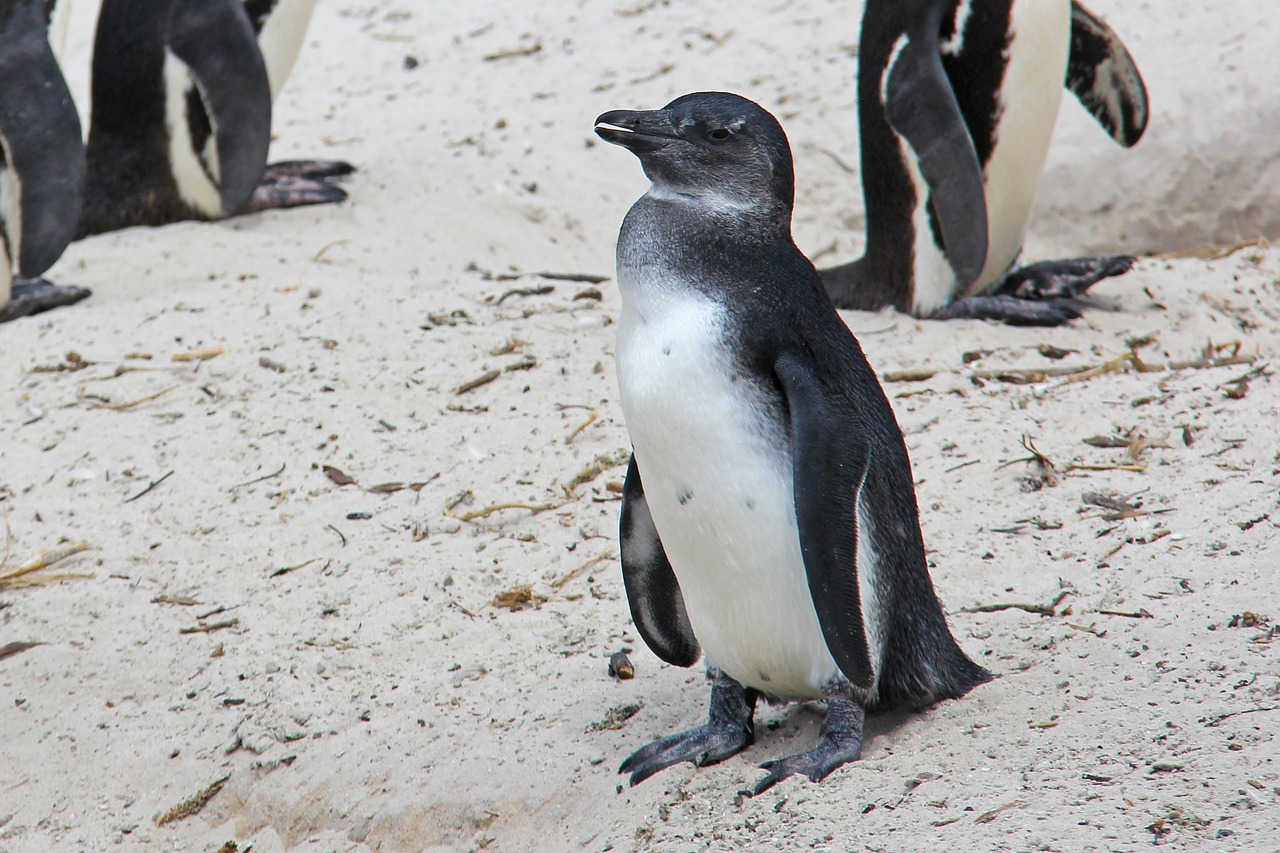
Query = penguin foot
x=729 y=730
x=841 y=743
x=35 y=295
x=1008 y=309
x=1062 y=279
x=296 y=183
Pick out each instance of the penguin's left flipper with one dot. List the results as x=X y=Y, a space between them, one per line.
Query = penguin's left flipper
x=921 y=107
x=297 y=183
x=1104 y=77
x=35 y=296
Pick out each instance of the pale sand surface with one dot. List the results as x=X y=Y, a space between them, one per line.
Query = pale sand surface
x=372 y=697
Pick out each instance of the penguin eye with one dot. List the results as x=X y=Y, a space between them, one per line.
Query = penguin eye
x=720 y=134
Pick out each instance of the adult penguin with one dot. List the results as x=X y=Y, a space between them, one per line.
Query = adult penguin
x=181 y=113
x=42 y=164
x=957 y=102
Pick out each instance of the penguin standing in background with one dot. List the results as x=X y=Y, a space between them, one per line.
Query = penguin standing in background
x=42 y=164
x=769 y=516
x=181 y=113
x=957 y=103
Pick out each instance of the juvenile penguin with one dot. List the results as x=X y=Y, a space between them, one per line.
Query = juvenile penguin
x=181 y=113
x=957 y=103
x=42 y=164
x=768 y=517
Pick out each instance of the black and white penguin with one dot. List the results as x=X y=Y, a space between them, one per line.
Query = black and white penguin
x=181 y=113
x=957 y=103
x=42 y=164
x=769 y=517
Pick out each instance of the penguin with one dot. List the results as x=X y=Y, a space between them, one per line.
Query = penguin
x=42 y=164
x=180 y=118
x=769 y=520
x=957 y=103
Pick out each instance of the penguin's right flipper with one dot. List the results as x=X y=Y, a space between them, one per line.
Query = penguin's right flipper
x=296 y=183
x=831 y=456
x=216 y=42
x=40 y=134
x=653 y=593
x=922 y=108
x=35 y=296
x=1104 y=77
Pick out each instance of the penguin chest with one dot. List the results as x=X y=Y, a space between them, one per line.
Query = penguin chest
x=1038 y=42
x=714 y=456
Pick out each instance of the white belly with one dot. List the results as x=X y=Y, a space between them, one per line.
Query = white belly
x=719 y=487
x=1040 y=33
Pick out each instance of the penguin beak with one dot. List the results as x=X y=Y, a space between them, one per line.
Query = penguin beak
x=638 y=131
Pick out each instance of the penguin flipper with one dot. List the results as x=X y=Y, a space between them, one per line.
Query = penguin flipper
x=653 y=593
x=215 y=40
x=921 y=107
x=40 y=132
x=830 y=465
x=1104 y=77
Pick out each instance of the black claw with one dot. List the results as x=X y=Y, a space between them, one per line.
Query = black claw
x=729 y=730
x=286 y=192
x=35 y=296
x=841 y=743
x=316 y=169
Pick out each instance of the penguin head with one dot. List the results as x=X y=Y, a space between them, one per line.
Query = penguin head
x=711 y=146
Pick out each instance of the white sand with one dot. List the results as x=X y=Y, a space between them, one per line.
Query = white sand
x=373 y=699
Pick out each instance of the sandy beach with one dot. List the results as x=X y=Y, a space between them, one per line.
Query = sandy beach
x=347 y=477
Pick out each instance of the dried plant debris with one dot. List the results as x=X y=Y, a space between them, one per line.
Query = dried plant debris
x=597 y=466
x=519 y=597
x=200 y=354
x=1046 y=471
x=70 y=363
x=617 y=717
x=24 y=575
x=1248 y=619
x=194 y=804
x=8 y=650
x=339 y=478
x=1054 y=352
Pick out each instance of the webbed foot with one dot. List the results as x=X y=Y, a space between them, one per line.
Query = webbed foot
x=35 y=295
x=1061 y=279
x=729 y=729
x=1008 y=309
x=296 y=183
x=841 y=743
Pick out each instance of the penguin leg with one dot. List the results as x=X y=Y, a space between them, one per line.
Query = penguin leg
x=841 y=743
x=1064 y=279
x=35 y=296
x=730 y=728
x=296 y=183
